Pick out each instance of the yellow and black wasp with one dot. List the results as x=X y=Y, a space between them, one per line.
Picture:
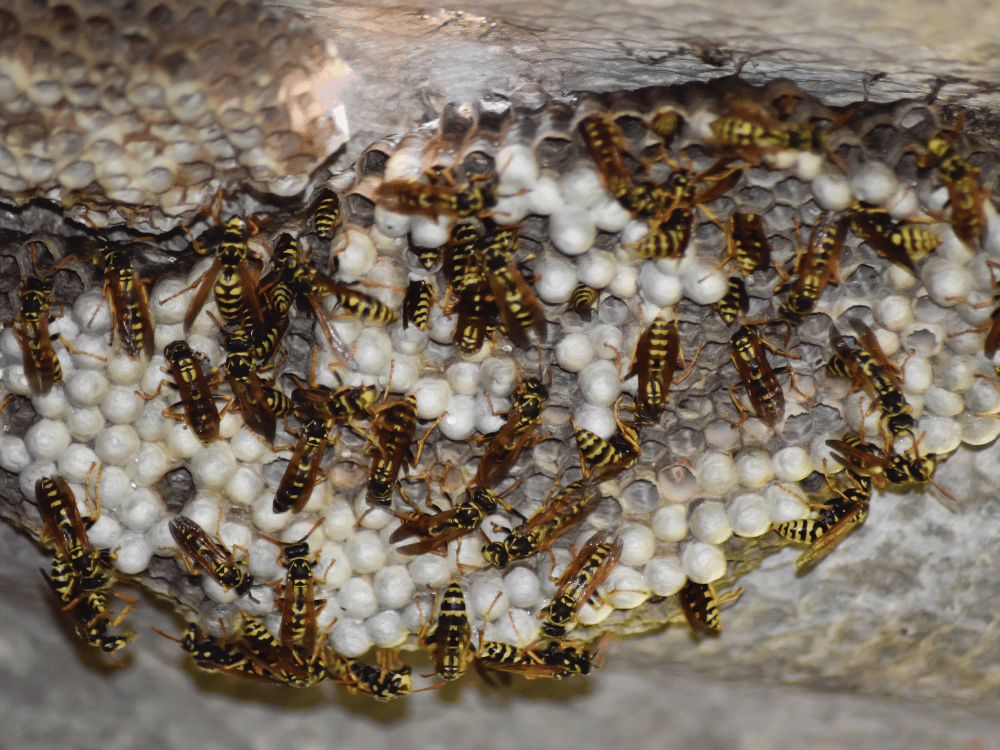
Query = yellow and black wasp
x=445 y=194
x=209 y=555
x=393 y=429
x=523 y=417
x=436 y=530
x=700 y=605
x=197 y=399
x=326 y=218
x=900 y=242
x=129 y=301
x=417 y=304
x=657 y=357
x=303 y=468
x=761 y=384
x=450 y=639
x=31 y=329
x=816 y=266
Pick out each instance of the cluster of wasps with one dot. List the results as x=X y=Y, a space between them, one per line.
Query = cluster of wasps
x=488 y=289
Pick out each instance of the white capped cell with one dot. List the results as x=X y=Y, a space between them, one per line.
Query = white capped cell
x=213 y=467
x=875 y=183
x=599 y=383
x=350 y=637
x=638 y=545
x=10 y=347
x=429 y=570
x=123 y=370
x=372 y=352
x=704 y=284
x=122 y=405
x=607 y=342
x=582 y=187
x=792 y=464
x=151 y=425
x=498 y=375
x=409 y=340
x=15 y=381
x=749 y=516
x=754 y=468
x=609 y=215
x=702 y=562
x=262 y=560
x=370 y=517
x=894 y=312
x=942 y=435
x=597 y=268
x=943 y=403
x=393 y=587
x=105 y=532
x=91 y=352
x=244 y=485
x=463 y=377
x=785 y=502
x=62 y=330
x=721 y=435
x=958 y=373
x=709 y=523
x=386 y=629
x=47 y=439
x=918 y=376
x=487 y=598
x=442 y=328
x=14 y=456
x=660 y=289
x=357 y=598
x=946 y=281
x=248 y=447
x=365 y=552
x=625 y=284
x=149 y=465
x=165 y=309
x=117 y=444
x=489 y=416
x=428 y=232
x=31 y=474
x=264 y=517
x=357 y=255
x=154 y=374
x=338 y=523
x=664 y=576
x=510 y=209
x=110 y=484
x=572 y=230
x=53 y=405
x=87 y=388
x=133 y=553
x=459 y=422
x=390 y=223
x=832 y=192
x=140 y=509
x=522 y=588
x=716 y=473
x=670 y=522
x=599 y=420
x=574 y=352
x=517 y=168
x=405 y=372
x=978 y=430
x=555 y=280
x=626 y=588
x=808 y=165
x=332 y=569
x=545 y=196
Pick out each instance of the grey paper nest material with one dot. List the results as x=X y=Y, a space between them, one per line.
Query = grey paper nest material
x=149 y=108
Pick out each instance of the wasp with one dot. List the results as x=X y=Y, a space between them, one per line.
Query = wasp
x=749 y=245
x=606 y=144
x=351 y=302
x=208 y=554
x=298 y=613
x=700 y=605
x=846 y=511
x=608 y=458
x=451 y=636
x=243 y=379
x=865 y=459
x=539 y=532
x=966 y=195
x=281 y=284
x=326 y=219
x=583 y=300
x=231 y=279
x=340 y=405
x=91 y=616
x=750 y=132
x=196 y=394
x=579 y=582
x=438 y=529
x=815 y=267
x=129 y=300
x=497 y=656
x=871 y=370
x=735 y=303
x=520 y=309
x=763 y=389
x=212 y=654
x=303 y=470
x=443 y=195
x=417 y=305
x=657 y=357
x=276 y=663
x=523 y=417
x=901 y=243
x=460 y=267
x=428 y=257
x=393 y=429
x=381 y=683
x=475 y=308
x=31 y=328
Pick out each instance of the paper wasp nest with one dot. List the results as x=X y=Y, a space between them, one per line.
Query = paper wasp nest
x=699 y=503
